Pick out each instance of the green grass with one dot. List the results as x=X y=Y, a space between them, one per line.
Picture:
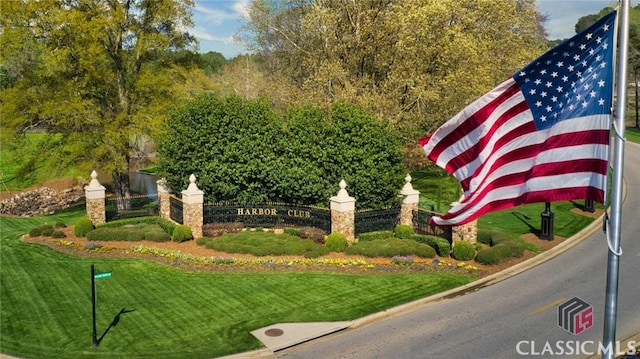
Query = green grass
x=632 y=134
x=526 y=219
x=18 y=171
x=170 y=313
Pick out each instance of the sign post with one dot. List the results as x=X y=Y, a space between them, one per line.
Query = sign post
x=94 y=276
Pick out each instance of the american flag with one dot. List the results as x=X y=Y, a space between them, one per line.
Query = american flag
x=540 y=136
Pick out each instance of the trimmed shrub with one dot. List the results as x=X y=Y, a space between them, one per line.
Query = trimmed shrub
x=83 y=226
x=390 y=248
x=47 y=230
x=165 y=224
x=58 y=234
x=337 y=242
x=492 y=238
x=403 y=231
x=60 y=225
x=441 y=245
x=182 y=233
x=202 y=241
x=463 y=251
x=116 y=234
x=502 y=251
x=372 y=236
x=35 y=232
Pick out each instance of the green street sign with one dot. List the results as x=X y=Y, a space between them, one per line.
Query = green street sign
x=102 y=275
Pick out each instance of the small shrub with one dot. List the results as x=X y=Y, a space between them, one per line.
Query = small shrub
x=83 y=226
x=35 y=232
x=182 y=233
x=337 y=242
x=60 y=225
x=502 y=251
x=47 y=230
x=487 y=256
x=403 y=231
x=58 y=234
x=463 y=251
x=371 y=236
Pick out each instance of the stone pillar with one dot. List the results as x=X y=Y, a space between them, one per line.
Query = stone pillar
x=466 y=232
x=343 y=209
x=94 y=193
x=410 y=200
x=164 y=205
x=193 y=207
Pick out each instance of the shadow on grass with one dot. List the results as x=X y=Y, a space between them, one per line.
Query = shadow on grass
x=526 y=220
x=114 y=322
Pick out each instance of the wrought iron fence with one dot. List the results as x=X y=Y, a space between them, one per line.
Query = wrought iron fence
x=371 y=220
x=421 y=225
x=130 y=207
x=175 y=209
x=268 y=214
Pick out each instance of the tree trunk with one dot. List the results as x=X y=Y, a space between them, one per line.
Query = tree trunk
x=122 y=190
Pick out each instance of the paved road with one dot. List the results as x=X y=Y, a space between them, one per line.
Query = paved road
x=516 y=315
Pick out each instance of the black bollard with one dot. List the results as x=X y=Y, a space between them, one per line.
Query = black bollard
x=546 y=230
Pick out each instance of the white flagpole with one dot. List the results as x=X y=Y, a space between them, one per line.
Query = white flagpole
x=613 y=228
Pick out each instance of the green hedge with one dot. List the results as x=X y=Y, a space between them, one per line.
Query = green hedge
x=83 y=226
x=129 y=232
x=403 y=231
x=371 y=236
x=181 y=233
x=441 y=245
x=165 y=224
x=504 y=250
x=391 y=247
x=266 y=243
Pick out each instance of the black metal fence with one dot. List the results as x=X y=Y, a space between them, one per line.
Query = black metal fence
x=371 y=220
x=133 y=206
x=175 y=209
x=421 y=225
x=268 y=214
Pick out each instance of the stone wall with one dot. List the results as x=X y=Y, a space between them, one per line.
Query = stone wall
x=41 y=201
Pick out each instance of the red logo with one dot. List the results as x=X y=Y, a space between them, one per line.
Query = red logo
x=575 y=315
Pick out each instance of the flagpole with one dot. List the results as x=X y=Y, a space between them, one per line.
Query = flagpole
x=614 y=229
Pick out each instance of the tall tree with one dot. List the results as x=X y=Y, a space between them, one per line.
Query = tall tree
x=413 y=62
x=96 y=72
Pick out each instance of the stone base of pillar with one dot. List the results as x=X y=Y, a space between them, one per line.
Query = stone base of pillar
x=343 y=222
x=96 y=211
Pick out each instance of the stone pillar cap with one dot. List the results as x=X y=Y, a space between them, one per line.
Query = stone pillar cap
x=94 y=185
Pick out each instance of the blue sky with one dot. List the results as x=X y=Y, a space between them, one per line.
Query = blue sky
x=216 y=21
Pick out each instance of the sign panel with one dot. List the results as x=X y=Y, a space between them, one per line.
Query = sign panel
x=102 y=275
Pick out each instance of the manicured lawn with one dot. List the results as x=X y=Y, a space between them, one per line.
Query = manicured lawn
x=632 y=134
x=166 y=312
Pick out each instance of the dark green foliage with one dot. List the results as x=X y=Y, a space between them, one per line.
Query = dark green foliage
x=166 y=225
x=441 y=245
x=463 y=251
x=47 y=230
x=370 y=236
x=403 y=231
x=60 y=225
x=82 y=227
x=181 y=233
x=35 y=232
x=337 y=242
x=391 y=247
x=267 y=243
x=58 y=234
x=504 y=250
x=243 y=151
